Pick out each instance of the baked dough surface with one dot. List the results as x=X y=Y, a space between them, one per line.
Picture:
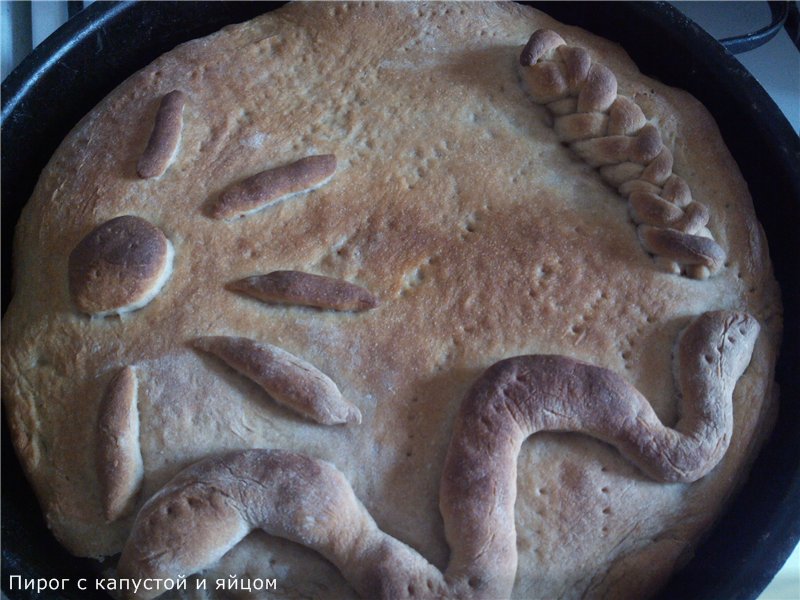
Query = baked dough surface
x=455 y=205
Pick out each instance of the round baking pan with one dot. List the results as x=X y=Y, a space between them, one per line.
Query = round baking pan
x=92 y=53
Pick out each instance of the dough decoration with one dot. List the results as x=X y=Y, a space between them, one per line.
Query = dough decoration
x=119 y=266
x=118 y=459
x=296 y=287
x=290 y=380
x=611 y=133
x=266 y=188
x=210 y=506
x=164 y=139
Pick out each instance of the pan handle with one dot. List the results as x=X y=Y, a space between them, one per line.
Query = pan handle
x=749 y=41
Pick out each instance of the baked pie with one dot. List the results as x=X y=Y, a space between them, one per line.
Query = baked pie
x=292 y=300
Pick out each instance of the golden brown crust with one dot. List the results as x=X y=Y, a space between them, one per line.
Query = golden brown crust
x=524 y=395
x=265 y=188
x=120 y=264
x=306 y=289
x=118 y=459
x=165 y=136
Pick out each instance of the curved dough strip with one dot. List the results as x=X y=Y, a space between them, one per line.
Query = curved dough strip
x=267 y=187
x=524 y=395
x=118 y=455
x=163 y=143
x=209 y=507
x=306 y=289
x=290 y=380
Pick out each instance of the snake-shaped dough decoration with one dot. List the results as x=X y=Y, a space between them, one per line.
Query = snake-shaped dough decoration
x=210 y=506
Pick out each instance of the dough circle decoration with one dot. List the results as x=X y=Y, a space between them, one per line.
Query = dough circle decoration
x=119 y=266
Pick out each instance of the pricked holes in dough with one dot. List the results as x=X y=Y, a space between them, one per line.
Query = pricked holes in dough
x=40 y=362
x=412 y=279
x=469 y=224
x=447 y=354
x=411 y=417
x=416 y=276
x=543 y=272
x=626 y=356
x=427 y=159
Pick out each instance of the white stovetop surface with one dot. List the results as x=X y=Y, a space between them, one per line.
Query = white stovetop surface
x=776 y=66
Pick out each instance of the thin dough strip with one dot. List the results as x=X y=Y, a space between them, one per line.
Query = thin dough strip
x=307 y=289
x=289 y=379
x=165 y=136
x=266 y=188
x=119 y=463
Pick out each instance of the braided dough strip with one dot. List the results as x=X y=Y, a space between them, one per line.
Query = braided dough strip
x=210 y=506
x=611 y=133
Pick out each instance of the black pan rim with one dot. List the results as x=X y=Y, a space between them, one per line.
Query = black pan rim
x=768 y=156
